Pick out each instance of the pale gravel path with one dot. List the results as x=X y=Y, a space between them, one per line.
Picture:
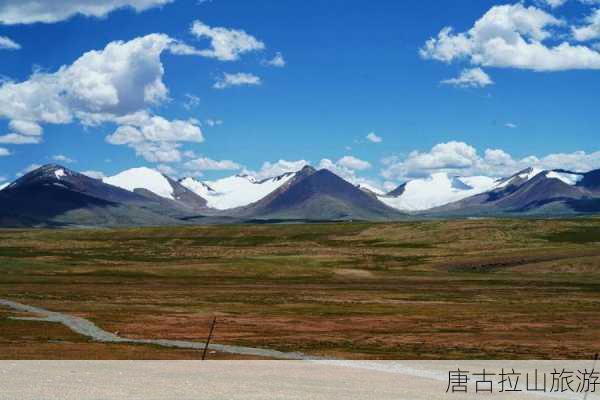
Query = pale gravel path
x=87 y=328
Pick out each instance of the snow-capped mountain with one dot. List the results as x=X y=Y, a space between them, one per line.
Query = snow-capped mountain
x=56 y=196
x=435 y=191
x=312 y=195
x=533 y=191
x=235 y=191
x=370 y=189
x=142 y=178
x=4 y=185
x=158 y=187
x=518 y=178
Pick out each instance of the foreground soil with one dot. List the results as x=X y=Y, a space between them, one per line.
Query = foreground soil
x=489 y=289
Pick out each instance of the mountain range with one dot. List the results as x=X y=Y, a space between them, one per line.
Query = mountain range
x=55 y=196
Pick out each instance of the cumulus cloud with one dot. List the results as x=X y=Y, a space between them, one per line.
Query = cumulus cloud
x=116 y=85
x=226 y=44
x=277 y=61
x=354 y=163
x=94 y=174
x=239 y=79
x=207 y=164
x=4 y=152
x=463 y=159
x=373 y=138
x=49 y=11
x=8 y=44
x=512 y=36
x=155 y=138
x=349 y=173
x=14 y=138
x=166 y=170
x=27 y=128
x=272 y=169
x=120 y=79
x=473 y=78
x=61 y=158
x=28 y=169
x=553 y=3
x=589 y=31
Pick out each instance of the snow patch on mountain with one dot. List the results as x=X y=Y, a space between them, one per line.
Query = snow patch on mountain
x=235 y=191
x=4 y=185
x=567 y=177
x=59 y=173
x=142 y=178
x=370 y=188
x=437 y=190
x=521 y=177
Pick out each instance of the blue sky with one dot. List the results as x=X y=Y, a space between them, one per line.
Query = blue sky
x=519 y=89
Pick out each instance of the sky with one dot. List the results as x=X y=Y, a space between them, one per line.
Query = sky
x=378 y=92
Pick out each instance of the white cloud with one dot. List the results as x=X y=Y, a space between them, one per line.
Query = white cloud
x=49 y=11
x=269 y=170
x=354 y=163
x=226 y=44
x=511 y=125
x=28 y=169
x=27 y=128
x=191 y=101
x=473 y=77
x=63 y=159
x=166 y=169
x=15 y=138
x=553 y=3
x=589 y=31
x=155 y=138
x=462 y=159
x=115 y=85
x=122 y=78
x=277 y=61
x=239 y=79
x=94 y=174
x=347 y=173
x=372 y=137
x=4 y=152
x=8 y=44
x=158 y=152
x=207 y=164
x=144 y=127
x=213 y=122
x=512 y=36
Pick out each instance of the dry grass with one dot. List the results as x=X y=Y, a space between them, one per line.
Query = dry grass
x=453 y=289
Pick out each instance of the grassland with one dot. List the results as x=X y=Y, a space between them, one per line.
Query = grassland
x=417 y=290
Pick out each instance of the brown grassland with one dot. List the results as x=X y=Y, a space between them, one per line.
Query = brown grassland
x=478 y=289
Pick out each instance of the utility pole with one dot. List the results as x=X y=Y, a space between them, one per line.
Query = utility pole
x=210 y=334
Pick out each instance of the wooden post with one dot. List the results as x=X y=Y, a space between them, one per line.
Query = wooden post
x=210 y=333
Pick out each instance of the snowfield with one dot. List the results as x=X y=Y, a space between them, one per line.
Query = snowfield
x=568 y=178
x=235 y=191
x=438 y=190
x=142 y=178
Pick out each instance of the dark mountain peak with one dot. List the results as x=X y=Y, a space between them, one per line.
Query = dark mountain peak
x=46 y=174
x=591 y=180
x=399 y=191
x=320 y=195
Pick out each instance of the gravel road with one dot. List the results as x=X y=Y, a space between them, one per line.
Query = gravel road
x=87 y=328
